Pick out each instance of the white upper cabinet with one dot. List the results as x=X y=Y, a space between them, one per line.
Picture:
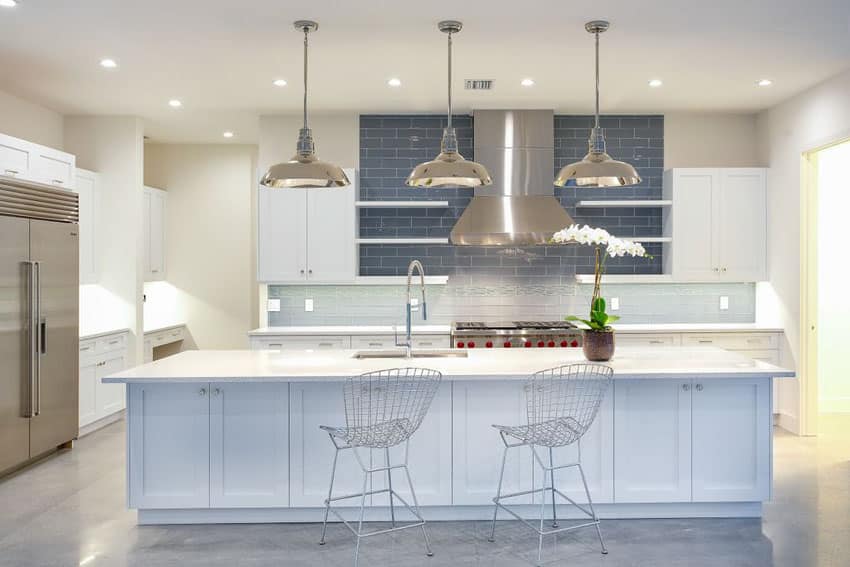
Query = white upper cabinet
x=717 y=223
x=307 y=234
x=154 y=209
x=32 y=162
x=87 y=190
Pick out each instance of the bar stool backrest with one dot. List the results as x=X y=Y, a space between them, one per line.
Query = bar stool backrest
x=562 y=402
x=384 y=408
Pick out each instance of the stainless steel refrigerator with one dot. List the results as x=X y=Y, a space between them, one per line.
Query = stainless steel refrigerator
x=39 y=319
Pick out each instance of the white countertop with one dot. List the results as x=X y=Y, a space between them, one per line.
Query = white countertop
x=333 y=365
x=318 y=330
x=157 y=327
x=696 y=328
x=88 y=334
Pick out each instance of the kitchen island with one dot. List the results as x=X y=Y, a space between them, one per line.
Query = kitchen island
x=233 y=436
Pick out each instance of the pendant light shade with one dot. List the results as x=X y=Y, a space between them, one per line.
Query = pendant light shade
x=597 y=169
x=449 y=167
x=305 y=169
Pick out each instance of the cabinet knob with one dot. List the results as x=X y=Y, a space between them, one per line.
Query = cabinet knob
x=302 y=272
x=202 y=392
x=699 y=387
x=310 y=272
x=723 y=269
x=686 y=387
x=716 y=269
x=216 y=392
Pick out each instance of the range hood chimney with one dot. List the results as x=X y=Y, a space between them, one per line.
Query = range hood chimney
x=519 y=208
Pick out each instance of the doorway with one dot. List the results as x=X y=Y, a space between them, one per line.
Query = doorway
x=825 y=274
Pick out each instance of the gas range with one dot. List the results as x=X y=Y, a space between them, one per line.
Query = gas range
x=515 y=334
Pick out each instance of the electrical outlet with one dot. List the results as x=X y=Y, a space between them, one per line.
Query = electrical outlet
x=615 y=303
x=273 y=305
x=724 y=303
x=308 y=305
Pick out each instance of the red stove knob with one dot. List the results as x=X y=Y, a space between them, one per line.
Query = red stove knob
x=541 y=344
x=489 y=344
x=563 y=343
x=471 y=344
x=551 y=344
x=527 y=344
x=574 y=344
x=460 y=344
x=507 y=344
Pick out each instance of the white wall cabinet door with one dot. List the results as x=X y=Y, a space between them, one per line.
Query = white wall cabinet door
x=310 y=450
x=169 y=444
x=157 y=235
x=282 y=239
x=330 y=234
x=740 y=230
x=54 y=167
x=15 y=157
x=477 y=451
x=86 y=188
x=249 y=445
x=110 y=397
x=694 y=255
x=88 y=392
x=731 y=440
x=652 y=441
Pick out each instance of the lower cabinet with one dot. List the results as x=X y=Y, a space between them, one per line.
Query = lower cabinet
x=692 y=441
x=98 y=358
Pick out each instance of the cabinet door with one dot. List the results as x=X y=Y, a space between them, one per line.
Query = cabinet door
x=146 y=237
x=157 y=235
x=86 y=189
x=301 y=343
x=169 y=446
x=652 y=441
x=110 y=397
x=731 y=440
x=374 y=342
x=430 y=457
x=54 y=167
x=282 y=235
x=249 y=445
x=15 y=157
x=693 y=217
x=330 y=234
x=741 y=231
x=311 y=452
x=88 y=392
x=477 y=450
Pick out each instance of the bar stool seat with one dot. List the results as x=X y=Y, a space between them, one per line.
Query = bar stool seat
x=551 y=433
x=385 y=434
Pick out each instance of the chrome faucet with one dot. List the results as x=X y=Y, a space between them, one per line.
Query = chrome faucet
x=408 y=342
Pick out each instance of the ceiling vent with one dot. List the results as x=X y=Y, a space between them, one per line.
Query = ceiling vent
x=478 y=84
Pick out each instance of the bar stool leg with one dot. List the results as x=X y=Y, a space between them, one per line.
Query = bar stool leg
x=330 y=494
x=360 y=521
x=492 y=537
x=542 y=513
x=552 y=477
x=592 y=510
x=428 y=550
x=390 y=485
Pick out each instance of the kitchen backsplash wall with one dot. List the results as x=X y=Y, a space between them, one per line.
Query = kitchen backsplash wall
x=391 y=145
x=496 y=298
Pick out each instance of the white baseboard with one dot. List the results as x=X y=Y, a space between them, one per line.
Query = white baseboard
x=787 y=422
x=100 y=423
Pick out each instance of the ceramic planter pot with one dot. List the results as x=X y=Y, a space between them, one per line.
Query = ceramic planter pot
x=598 y=346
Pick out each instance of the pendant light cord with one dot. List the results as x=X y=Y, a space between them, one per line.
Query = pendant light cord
x=596 y=122
x=450 y=81
x=306 y=32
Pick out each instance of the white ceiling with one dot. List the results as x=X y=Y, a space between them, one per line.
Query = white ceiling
x=219 y=57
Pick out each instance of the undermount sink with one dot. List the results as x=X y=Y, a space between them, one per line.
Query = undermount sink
x=399 y=353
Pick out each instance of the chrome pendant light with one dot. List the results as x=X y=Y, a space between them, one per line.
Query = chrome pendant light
x=597 y=169
x=305 y=169
x=449 y=168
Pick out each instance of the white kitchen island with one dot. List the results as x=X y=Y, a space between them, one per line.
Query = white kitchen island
x=233 y=436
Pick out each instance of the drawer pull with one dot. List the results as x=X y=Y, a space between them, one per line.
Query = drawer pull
x=326 y=345
x=57 y=181
x=275 y=345
x=115 y=342
x=85 y=348
x=175 y=334
x=376 y=344
x=705 y=341
x=426 y=343
x=12 y=172
x=656 y=342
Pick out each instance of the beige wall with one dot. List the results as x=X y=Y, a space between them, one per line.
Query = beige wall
x=23 y=119
x=710 y=140
x=210 y=252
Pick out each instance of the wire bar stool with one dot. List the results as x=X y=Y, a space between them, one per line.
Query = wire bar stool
x=382 y=410
x=561 y=404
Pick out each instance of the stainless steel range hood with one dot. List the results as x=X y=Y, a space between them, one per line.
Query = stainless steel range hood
x=519 y=208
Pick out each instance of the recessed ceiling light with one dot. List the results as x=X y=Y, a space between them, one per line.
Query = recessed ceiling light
x=394 y=82
x=174 y=103
x=764 y=82
x=8 y=3
x=655 y=83
x=527 y=82
x=228 y=134
x=279 y=82
x=108 y=63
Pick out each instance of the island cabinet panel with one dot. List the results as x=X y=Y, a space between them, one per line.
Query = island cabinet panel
x=169 y=448
x=429 y=460
x=597 y=460
x=311 y=453
x=249 y=445
x=477 y=451
x=731 y=440
x=652 y=441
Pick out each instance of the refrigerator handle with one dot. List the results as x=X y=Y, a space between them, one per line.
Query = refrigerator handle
x=39 y=336
x=33 y=339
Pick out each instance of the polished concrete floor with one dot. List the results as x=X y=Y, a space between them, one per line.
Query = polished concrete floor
x=70 y=510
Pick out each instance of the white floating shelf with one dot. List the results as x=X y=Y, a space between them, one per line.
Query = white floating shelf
x=400 y=204
x=624 y=203
x=402 y=241
x=648 y=238
x=627 y=278
x=398 y=280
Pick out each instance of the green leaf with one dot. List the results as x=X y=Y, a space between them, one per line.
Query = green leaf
x=613 y=318
x=598 y=304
